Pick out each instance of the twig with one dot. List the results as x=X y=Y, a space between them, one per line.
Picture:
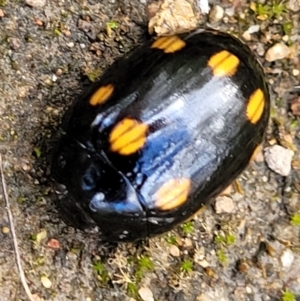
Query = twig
x=14 y=237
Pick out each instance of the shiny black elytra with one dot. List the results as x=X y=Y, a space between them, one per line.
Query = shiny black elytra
x=163 y=131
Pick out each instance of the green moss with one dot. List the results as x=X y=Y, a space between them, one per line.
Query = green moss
x=93 y=74
x=263 y=10
x=102 y=273
x=278 y=8
x=295 y=220
x=294 y=124
x=288 y=296
x=287 y=27
x=132 y=290
x=21 y=199
x=112 y=24
x=188 y=228
x=279 y=102
x=227 y=239
x=144 y=264
x=222 y=256
x=57 y=32
x=186 y=266
x=230 y=239
x=171 y=240
x=37 y=152
x=275 y=9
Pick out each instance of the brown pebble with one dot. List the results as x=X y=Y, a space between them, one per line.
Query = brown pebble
x=53 y=244
x=38 y=22
x=1 y=13
x=59 y=72
x=66 y=32
x=36 y=297
x=295 y=106
x=270 y=249
x=187 y=243
x=296 y=164
x=174 y=251
x=210 y=272
x=226 y=191
x=257 y=155
x=243 y=267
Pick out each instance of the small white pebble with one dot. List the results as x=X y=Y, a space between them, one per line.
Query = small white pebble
x=46 y=282
x=224 y=204
x=203 y=5
x=70 y=44
x=278 y=51
x=279 y=159
x=295 y=72
x=203 y=263
x=216 y=14
x=36 y=3
x=54 y=78
x=146 y=294
x=242 y=15
x=287 y=258
x=248 y=289
x=285 y=38
x=253 y=29
x=246 y=36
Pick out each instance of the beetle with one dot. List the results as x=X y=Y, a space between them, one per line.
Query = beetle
x=164 y=130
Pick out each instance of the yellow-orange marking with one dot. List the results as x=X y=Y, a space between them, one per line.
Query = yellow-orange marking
x=128 y=136
x=169 y=44
x=223 y=63
x=101 y=95
x=255 y=106
x=172 y=194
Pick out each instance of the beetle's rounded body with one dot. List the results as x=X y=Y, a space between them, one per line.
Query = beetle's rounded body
x=164 y=130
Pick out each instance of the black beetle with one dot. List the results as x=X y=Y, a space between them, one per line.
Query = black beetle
x=162 y=132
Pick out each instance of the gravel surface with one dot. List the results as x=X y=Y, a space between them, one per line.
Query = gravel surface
x=49 y=53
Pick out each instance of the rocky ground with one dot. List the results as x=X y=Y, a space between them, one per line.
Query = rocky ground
x=246 y=246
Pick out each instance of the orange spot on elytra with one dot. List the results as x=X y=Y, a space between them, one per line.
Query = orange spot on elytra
x=255 y=106
x=101 y=95
x=169 y=44
x=128 y=136
x=223 y=63
x=172 y=194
